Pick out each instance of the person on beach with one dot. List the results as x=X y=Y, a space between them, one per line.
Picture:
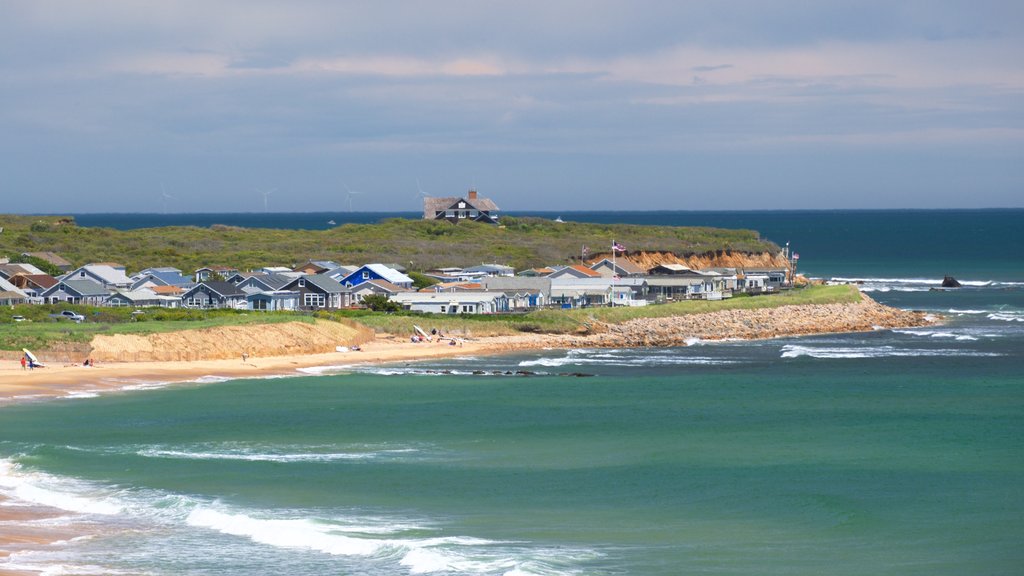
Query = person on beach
x=23 y=363
x=245 y=357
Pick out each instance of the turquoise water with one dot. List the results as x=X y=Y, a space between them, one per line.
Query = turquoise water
x=890 y=452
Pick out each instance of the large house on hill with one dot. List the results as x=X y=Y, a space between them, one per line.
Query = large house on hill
x=456 y=209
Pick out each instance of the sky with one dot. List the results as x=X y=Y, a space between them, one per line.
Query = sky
x=235 y=106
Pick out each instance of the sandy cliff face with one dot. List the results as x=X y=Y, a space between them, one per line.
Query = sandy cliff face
x=228 y=342
x=722 y=259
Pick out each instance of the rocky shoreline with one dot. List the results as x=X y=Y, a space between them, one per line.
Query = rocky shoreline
x=752 y=324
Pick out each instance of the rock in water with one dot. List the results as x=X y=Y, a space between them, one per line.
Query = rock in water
x=950 y=282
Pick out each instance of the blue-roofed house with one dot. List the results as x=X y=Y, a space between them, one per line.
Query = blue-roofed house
x=166 y=276
x=377 y=272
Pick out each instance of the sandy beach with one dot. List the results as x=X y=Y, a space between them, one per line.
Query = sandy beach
x=20 y=527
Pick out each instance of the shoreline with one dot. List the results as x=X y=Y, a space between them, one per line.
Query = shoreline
x=19 y=529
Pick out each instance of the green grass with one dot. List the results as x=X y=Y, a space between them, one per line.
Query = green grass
x=416 y=244
x=46 y=333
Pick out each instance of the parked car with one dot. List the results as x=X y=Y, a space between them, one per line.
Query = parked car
x=19 y=319
x=70 y=315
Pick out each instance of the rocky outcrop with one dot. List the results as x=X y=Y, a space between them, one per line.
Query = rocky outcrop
x=758 y=323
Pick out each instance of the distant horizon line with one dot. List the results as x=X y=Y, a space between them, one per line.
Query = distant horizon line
x=528 y=212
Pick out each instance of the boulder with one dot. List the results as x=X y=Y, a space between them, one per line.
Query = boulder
x=950 y=282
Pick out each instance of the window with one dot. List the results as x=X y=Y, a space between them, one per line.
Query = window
x=462 y=204
x=82 y=273
x=449 y=213
x=311 y=300
x=302 y=282
x=366 y=275
x=444 y=309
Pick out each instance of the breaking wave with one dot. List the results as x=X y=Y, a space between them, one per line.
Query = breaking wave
x=387 y=542
x=796 y=351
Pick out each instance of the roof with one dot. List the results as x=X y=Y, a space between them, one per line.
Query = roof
x=272 y=281
x=172 y=276
x=486 y=268
x=226 y=289
x=105 y=272
x=42 y=280
x=577 y=270
x=328 y=285
x=389 y=274
x=433 y=205
x=83 y=287
x=139 y=295
x=622 y=264
x=167 y=290
x=385 y=285
x=52 y=258
x=445 y=297
x=452 y=286
x=18 y=268
x=8 y=287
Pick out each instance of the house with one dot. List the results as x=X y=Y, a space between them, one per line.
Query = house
x=575 y=271
x=208 y=272
x=376 y=272
x=253 y=282
x=454 y=302
x=777 y=278
x=537 y=291
x=33 y=285
x=620 y=267
x=456 y=209
x=109 y=275
x=489 y=270
x=273 y=300
x=214 y=294
x=371 y=287
x=58 y=261
x=159 y=277
x=678 y=287
x=319 y=292
x=571 y=292
x=83 y=291
x=140 y=298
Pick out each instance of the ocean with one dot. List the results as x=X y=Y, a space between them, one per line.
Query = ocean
x=891 y=452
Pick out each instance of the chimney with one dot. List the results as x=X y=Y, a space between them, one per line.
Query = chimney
x=472 y=194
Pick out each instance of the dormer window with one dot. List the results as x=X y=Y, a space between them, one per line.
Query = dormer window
x=302 y=282
x=82 y=273
x=462 y=204
x=366 y=275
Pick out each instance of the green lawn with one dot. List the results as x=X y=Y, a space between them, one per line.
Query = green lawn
x=43 y=332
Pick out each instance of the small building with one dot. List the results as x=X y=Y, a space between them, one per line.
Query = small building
x=454 y=302
x=140 y=298
x=57 y=260
x=207 y=272
x=457 y=209
x=214 y=294
x=76 y=292
x=273 y=300
x=11 y=294
x=318 y=292
x=375 y=287
x=489 y=270
x=316 y=267
x=620 y=267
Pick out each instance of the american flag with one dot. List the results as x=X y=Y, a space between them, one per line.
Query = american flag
x=618 y=247
x=586 y=250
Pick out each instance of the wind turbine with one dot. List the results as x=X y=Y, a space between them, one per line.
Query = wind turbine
x=350 y=193
x=266 y=194
x=419 y=190
x=164 y=197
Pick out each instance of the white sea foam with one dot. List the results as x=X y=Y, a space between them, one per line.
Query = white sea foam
x=796 y=351
x=81 y=394
x=958 y=311
x=933 y=334
x=626 y=360
x=322 y=370
x=53 y=491
x=211 y=379
x=1007 y=316
x=255 y=456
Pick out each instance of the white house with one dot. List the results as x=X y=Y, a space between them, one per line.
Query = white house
x=454 y=302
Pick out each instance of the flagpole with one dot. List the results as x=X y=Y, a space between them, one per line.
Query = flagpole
x=615 y=271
